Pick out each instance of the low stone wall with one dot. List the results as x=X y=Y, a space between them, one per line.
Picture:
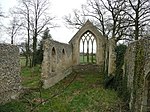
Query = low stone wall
x=57 y=62
x=137 y=70
x=9 y=73
x=88 y=68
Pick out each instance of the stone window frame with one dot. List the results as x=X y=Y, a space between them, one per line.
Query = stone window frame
x=88 y=38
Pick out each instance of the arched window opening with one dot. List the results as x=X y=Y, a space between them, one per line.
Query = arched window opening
x=53 y=51
x=63 y=59
x=63 y=52
x=87 y=48
x=53 y=60
x=63 y=55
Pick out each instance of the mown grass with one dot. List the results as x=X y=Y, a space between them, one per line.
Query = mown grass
x=85 y=59
x=79 y=92
x=30 y=76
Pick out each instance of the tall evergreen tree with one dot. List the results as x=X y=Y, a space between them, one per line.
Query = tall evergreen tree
x=39 y=52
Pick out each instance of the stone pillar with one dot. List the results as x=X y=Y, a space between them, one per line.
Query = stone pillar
x=46 y=59
x=75 y=52
x=112 y=57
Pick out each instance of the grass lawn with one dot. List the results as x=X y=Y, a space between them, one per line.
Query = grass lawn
x=85 y=59
x=79 y=92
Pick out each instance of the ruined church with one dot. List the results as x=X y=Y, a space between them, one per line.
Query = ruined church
x=88 y=46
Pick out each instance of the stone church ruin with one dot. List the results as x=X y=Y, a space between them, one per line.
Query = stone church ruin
x=86 y=47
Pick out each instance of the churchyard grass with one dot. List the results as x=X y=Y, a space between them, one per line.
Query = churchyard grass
x=85 y=59
x=79 y=92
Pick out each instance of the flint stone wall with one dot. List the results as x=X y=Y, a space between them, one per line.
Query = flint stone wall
x=9 y=73
x=57 y=62
x=137 y=74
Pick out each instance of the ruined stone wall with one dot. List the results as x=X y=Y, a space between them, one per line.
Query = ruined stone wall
x=137 y=67
x=57 y=62
x=9 y=73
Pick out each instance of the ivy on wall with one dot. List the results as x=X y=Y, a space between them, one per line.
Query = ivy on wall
x=138 y=74
x=120 y=82
x=129 y=84
x=117 y=82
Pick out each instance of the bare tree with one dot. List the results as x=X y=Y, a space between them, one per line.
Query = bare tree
x=77 y=21
x=27 y=16
x=117 y=18
x=94 y=9
x=107 y=15
x=139 y=15
x=13 y=28
x=39 y=20
x=24 y=11
x=35 y=17
x=1 y=13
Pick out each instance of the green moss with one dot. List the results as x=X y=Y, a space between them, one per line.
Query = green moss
x=14 y=106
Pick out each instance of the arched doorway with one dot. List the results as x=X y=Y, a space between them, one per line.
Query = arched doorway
x=87 y=48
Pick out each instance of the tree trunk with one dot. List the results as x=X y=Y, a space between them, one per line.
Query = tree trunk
x=26 y=60
x=34 y=50
x=12 y=40
x=28 y=41
x=137 y=26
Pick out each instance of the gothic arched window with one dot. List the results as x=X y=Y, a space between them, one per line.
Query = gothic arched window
x=87 y=48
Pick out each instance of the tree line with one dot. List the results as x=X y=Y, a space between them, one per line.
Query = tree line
x=30 y=19
x=117 y=19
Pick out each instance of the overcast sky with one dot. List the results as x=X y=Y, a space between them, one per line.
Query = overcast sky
x=59 y=8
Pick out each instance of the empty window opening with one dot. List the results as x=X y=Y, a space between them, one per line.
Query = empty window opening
x=63 y=52
x=53 y=60
x=63 y=55
x=88 y=48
